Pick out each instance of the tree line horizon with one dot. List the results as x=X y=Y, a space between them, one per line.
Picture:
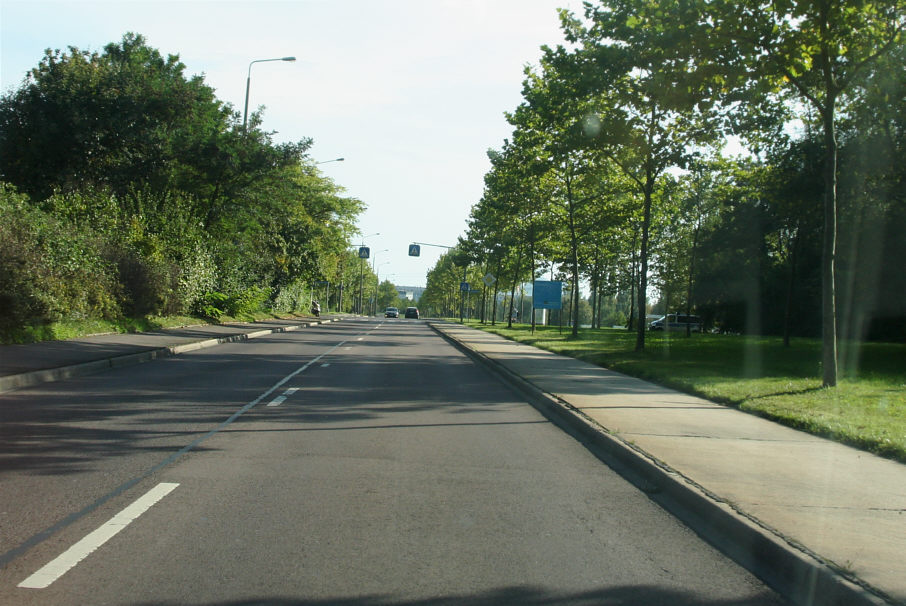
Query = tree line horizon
x=128 y=189
x=614 y=173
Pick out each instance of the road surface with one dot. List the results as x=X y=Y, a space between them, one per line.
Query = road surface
x=362 y=462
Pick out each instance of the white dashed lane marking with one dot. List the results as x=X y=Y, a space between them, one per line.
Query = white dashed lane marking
x=81 y=550
x=281 y=399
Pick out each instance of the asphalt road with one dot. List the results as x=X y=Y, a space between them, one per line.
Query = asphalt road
x=364 y=462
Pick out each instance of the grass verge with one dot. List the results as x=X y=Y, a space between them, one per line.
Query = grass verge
x=867 y=409
x=73 y=329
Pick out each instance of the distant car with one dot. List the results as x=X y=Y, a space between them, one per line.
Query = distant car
x=412 y=312
x=673 y=322
x=391 y=312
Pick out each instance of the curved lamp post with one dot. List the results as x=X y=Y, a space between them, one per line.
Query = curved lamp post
x=248 y=82
x=334 y=160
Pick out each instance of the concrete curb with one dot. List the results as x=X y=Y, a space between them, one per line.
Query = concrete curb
x=28 y=379
x=791 y=570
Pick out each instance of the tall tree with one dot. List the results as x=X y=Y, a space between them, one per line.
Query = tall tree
x=639 y=118
x=813 y=49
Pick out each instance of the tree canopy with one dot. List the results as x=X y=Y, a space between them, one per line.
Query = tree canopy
x=181 y=206
x=618 y=158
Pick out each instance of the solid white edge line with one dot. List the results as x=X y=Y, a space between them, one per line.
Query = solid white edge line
x=81 y=550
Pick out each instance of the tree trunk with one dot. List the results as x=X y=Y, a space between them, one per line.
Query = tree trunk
x=788 y=310
x=829 y=251
x=509 y=320
x=698 y=224
x=633 y=281
x=643 y=270
x=573 y=254
x=496 y=290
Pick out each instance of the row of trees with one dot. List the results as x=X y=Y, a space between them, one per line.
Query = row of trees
x=127 y=188
x=615 y=173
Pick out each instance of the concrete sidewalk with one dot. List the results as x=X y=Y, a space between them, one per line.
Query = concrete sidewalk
x=34 y=363
x=821 y=522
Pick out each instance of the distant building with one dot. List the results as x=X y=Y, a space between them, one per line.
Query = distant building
x=410 y=293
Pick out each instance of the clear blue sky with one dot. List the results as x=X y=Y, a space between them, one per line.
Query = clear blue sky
x=411 y=93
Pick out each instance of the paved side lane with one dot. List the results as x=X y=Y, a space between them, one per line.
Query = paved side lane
x=35 y=363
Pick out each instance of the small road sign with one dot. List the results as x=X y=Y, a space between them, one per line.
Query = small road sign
x=464 y=286
x=489 y=279
x=415 y=250
x=364 y=252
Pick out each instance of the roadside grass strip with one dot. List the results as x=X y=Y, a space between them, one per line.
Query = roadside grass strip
x=867 y=408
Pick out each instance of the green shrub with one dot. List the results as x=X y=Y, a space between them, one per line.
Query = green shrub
x=212 y=305
x=191 y=279
x=49 y=268
x=143 y=282
x=292 y=297
x=249 y=301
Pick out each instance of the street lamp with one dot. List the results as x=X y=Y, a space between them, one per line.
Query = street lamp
x=334 y=160
x=377 y=285
x=248 y=82
x=362 y=275
x=373 y=260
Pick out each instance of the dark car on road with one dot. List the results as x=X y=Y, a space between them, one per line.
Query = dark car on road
x=391 y=312
x=412 y=312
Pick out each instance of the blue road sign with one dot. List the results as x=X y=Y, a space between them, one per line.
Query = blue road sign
x=364 y=252
x=547 y=295
x=415 y=250
x=464 y=286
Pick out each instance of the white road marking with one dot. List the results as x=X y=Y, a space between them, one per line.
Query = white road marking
x=290 y=391
x=277 y=401
x=325 y=364
x=39 y=537
x=81 y=550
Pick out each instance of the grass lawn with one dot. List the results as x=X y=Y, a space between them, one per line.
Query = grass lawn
x=867 y=409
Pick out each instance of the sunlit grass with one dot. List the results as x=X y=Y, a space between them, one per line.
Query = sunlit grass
x=74 y=329
x=867 y=409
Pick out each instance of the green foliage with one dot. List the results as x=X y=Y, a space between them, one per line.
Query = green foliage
x=292 y=298
x=49 y=268
x=144 y=195
x=615 y=178
x=212 y=305
x=248 y=301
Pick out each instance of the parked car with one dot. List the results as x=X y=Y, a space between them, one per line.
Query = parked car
x=676 y=322
x=412 y=312
x=391 y=312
